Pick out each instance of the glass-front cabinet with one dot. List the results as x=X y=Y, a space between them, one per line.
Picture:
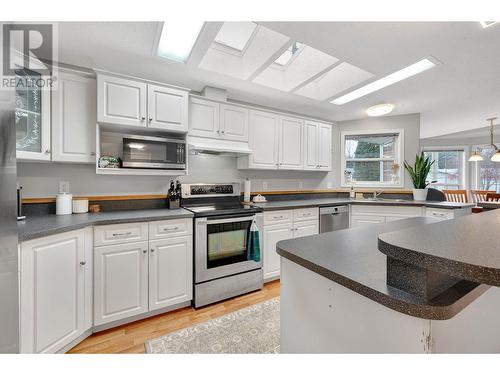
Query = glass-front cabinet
x=32 y=116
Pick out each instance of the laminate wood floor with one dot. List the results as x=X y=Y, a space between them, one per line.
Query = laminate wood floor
x=130 y=338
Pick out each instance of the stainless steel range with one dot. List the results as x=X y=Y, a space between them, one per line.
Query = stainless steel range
x=223 y=266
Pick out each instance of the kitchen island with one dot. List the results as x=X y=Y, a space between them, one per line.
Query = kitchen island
x=335 y=295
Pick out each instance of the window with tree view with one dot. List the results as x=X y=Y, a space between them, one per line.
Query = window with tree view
x=448 y=169
x=372 y=159
x=488 y=172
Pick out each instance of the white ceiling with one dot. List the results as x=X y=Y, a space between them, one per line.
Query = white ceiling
x=456 y=95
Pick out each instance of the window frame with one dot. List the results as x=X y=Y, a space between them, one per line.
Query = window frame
x=475 y=166
x=399 y=157
x=464 y=183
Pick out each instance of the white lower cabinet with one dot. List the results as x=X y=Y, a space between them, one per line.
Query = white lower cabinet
x=170 y=272
x=284 y=225
x=120 y=281
x=56 y=303
x=134 y=278
x=374 y=214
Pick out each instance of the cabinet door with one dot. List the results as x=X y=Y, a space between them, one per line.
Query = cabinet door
x=32 y=117
x=167 y=109
x=272 y=235
x=73 y=119
x=120 y=281
x=361 y=220
x=311 y=130
x=306 y=228
x=170 y=272
x=290 y=145
x=233 y=123
x=325 y=147
x=204 y=118
x=52 y=292
x=121 y=101
x=263 y=137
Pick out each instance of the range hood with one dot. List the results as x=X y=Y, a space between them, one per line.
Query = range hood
x=217 y=147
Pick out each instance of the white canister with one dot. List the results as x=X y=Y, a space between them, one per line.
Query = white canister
x=80 y=206
x=64 y=204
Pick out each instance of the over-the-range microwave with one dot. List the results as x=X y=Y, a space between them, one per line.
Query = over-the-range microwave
x=153 y=152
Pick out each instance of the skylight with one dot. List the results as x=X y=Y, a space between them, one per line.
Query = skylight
x=288 y=54
x=235 y=35
x=178 y=38
x=381 y=83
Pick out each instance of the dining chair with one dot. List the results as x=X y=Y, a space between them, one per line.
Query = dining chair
x=459 y=196
x=479 y=196
x=493 y=197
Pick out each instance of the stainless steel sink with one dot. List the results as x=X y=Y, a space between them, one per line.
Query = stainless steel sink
x=386 y=200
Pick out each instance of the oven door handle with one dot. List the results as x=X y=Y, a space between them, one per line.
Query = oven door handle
x=204 y=221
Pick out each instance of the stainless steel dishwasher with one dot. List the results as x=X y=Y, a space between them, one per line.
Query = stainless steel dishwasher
x=333 y=218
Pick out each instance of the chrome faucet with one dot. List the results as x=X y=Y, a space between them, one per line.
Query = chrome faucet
x=376 y=194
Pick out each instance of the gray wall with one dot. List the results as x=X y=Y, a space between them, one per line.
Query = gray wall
x=42 y=179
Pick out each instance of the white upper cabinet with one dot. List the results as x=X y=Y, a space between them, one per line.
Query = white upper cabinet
x=204 y=118
x=220 y=121
x=53 y=291
x=290 y=143
x=128 y=102
x=233 y=123
x=311 y=145
x=74 y=119
x=121 y=101
x=167 y=109
x=325 y=147
x=263 y=139
x=317 y=146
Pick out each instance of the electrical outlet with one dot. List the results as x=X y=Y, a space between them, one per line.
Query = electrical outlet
x=63 y=186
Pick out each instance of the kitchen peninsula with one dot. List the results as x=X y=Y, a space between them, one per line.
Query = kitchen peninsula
x=340 y=291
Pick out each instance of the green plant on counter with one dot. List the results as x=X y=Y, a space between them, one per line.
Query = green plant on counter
x=420 y=171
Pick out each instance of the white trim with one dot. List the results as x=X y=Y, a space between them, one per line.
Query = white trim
x=399 y=159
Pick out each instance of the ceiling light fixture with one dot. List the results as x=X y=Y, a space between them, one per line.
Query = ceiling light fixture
x=400 y=75
x=178 y=38
x=486 y=24
x=380 y=109
x=496 y=156
x=476 y=157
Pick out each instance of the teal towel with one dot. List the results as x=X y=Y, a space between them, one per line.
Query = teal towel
x=254 y=244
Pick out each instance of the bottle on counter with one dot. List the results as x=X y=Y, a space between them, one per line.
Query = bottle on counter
x=352 y=194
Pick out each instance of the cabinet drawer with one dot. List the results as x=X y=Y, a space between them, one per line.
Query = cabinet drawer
x=302 y=214
x=281 y=216
x=388 y=210
x=439 y=213
x=170 y=228
x=120 y=233
x=361 y=220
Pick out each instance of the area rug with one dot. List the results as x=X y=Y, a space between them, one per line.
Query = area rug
x=254 y=329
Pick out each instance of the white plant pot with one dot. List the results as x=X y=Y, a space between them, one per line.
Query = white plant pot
x=420 y=194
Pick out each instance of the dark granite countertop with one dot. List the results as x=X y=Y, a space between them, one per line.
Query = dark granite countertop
x=350 y=258
x=45 y=225
x=467 y=247
x=299 y=203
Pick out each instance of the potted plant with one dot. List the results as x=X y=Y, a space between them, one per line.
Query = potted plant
x=418 y=174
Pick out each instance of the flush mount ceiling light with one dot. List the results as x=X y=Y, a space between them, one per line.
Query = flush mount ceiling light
x=178 y=38
x=400 y=75
x=380 y=109
x=486 y=24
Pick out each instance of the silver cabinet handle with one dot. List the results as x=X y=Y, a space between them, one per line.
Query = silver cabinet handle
x=218 y=131
x=122 y=234
x=143 y=118
x=150 y=119
x=82 y=263
x=152 y=250
x=144 y=251
x=223 y=132
x=167 y=229
x=92 y=153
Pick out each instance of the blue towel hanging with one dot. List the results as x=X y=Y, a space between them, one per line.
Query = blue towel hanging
x=253 y=243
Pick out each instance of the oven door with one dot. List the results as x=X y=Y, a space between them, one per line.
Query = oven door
x=221 y=247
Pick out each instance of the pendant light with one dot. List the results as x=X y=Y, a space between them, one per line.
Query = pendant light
x=496 y=155
x=476 y=156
